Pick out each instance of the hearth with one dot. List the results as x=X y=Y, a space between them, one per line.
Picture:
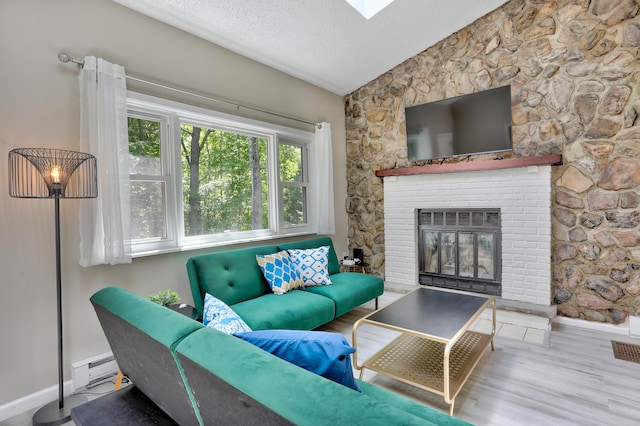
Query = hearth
x=460 y=249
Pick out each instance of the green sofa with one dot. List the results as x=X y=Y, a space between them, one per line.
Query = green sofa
x=200 y=376
x=234 y=277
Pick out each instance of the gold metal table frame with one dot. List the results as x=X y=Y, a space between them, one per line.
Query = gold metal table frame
x=430 y=354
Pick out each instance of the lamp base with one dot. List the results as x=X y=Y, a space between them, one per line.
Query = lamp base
x=52 y=415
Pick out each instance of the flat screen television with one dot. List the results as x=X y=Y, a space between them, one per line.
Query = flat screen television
x=476 y=123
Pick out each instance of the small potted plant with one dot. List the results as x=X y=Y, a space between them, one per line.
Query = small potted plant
x=165 y=298
x=170 y=299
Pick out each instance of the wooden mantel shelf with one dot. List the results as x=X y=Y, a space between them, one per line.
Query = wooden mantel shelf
x=507 y=163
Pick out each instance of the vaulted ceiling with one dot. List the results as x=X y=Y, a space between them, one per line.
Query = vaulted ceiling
x=324 y=42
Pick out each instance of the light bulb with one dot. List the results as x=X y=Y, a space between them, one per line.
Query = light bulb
x=56 y=173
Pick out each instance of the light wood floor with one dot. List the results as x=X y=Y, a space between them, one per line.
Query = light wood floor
x=574 y=381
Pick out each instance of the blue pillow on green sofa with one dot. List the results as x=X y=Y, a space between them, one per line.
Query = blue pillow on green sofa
x=220 y=316
x=279 y=271
x=321 y=352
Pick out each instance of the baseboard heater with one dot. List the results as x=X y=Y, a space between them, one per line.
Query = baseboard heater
x=93 y=371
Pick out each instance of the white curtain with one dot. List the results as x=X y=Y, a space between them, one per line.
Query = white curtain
x=325 y=220
x=104 y=222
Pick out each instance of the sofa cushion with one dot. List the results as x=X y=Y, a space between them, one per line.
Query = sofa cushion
x=221 y=317
x=350 y=290
x=312 y=265
x=279 y=271
x=295 y=310
x=334 y=265
x=232 y=275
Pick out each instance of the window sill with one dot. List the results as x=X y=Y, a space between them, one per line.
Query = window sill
x=148 y=253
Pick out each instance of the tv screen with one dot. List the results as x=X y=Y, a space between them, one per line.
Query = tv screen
x=476 y=123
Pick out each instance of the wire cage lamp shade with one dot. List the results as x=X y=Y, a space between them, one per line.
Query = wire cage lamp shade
x=49 y=173
x=57 y=174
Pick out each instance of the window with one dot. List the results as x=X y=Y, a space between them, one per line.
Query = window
x=201 y=178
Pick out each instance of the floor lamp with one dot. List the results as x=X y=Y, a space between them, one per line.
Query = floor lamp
x=54 y=173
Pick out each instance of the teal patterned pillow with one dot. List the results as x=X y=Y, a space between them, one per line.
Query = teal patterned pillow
x=280 y=272
x=313 y=265
x=221 y=317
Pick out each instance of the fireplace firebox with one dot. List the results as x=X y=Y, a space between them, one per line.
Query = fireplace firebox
x=460 y=249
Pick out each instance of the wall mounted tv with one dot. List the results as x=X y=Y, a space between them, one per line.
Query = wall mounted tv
x=476 y=123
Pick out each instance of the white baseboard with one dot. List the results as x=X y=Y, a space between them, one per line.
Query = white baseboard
x=33 y=401
x=634 y=326
x=399 y=288
x=518 y=318
x=594 y=325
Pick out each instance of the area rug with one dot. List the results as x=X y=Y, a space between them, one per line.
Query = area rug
x=626 y=351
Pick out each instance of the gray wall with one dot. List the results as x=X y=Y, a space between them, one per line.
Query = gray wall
x=39 y=101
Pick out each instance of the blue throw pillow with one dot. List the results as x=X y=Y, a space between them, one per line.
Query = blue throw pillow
x=313 y=265
x=321 y=352
x=220 y=316
x=280 y=272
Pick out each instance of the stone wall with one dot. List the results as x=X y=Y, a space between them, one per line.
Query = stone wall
x=574 y=69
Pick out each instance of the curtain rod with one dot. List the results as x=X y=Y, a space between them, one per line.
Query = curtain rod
x=65 y=58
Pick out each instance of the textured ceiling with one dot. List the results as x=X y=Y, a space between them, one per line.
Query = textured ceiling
x=324 y=42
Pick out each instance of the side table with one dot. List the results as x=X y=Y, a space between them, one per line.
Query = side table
x=186 y=310
x=358 y=267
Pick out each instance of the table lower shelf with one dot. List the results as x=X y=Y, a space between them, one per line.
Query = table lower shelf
x=420 y=362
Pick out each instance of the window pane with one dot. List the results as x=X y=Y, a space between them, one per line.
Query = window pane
x=438 y=218
x=478 y=218
x=294 y=199
x=465 y=254
x=144 y=147
x=493 y=218
x=485 y=256
x=148 y=218
x=290 y=163
x=425 y=218
x=430 y=247
x=463 y=218
x=451 y=218
x=224 y=177
x=448 y=255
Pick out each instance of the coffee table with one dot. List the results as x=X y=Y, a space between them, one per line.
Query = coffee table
x=436 y=350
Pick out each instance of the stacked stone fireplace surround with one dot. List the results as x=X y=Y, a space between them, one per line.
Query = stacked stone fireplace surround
x=574 y=70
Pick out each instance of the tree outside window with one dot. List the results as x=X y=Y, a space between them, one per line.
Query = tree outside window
x=226 y=182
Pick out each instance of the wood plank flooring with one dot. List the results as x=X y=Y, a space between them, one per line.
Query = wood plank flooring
x=574 y=381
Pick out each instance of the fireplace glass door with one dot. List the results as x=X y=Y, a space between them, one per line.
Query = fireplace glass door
x=460 y=249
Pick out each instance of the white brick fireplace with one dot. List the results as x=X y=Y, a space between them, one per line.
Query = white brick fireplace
x=523 y=195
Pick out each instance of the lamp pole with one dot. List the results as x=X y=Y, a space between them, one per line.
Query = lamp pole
x=59 y=302
x=49 y=415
